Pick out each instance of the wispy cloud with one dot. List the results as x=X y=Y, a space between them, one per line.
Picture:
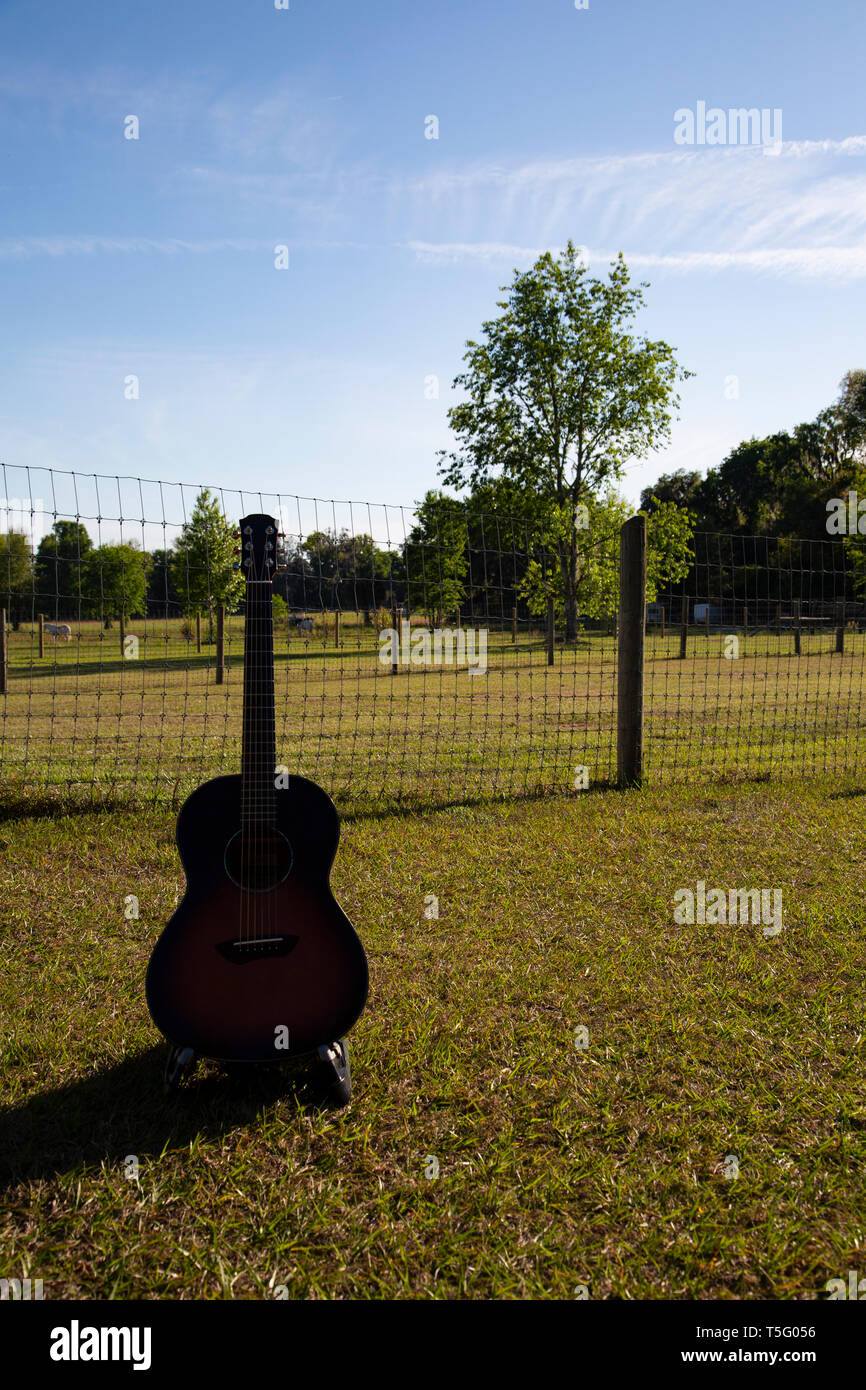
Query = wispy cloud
x=824 y=262
x=802 y=213
x=17 y=248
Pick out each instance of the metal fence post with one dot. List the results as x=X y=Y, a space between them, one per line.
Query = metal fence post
x=2 y=651
x=684 y=630
x=630 y=652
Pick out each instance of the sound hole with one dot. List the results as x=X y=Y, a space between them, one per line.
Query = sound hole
x=258 y=860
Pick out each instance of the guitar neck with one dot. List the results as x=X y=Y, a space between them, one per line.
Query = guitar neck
x=258 y=754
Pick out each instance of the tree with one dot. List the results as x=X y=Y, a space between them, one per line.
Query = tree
x=16 y=577
x=669 y=558
x=681 y=487
x=436 y=557
x=780 y=485
x=162 y=595
x=201 y=567
x=669 y=547
x=58 y=568
x=114 y=582
x=560 y=394
x=348 y=572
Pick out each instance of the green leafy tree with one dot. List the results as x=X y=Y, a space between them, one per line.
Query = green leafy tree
x=669 y=558
x=16 y=577
x=201 y=567
x=669 y=547
x=162 y=595
x=349 y=572
x=560 y=394
x=58 y=569
x=436 y=557
x=114 y=582
x=780 y=485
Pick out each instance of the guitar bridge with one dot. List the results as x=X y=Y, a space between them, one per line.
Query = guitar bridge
x=256 y=948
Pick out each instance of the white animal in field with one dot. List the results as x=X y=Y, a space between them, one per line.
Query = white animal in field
x=56 y=630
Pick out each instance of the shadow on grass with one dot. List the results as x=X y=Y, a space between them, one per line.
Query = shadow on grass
x=42 y=806
x=16 y=805
x=123 y=1110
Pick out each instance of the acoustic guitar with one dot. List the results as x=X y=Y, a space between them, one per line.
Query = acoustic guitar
x=258 y=963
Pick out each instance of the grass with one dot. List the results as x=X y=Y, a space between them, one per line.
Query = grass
x=80 y=723
x=558 y=1166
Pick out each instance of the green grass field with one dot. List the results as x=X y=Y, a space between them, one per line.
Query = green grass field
x=558 y=1166
x=81 y=723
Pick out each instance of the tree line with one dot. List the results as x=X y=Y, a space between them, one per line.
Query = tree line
x=559 y=393
x=779 y=486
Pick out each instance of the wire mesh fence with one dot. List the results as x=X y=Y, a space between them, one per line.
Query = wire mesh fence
x=414 y=663
x=409 y=667
x=756 y=661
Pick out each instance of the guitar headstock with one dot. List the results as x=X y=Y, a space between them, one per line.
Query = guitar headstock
x=259 y=550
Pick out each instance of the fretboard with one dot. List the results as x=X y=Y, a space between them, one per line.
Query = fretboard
x=258 y=754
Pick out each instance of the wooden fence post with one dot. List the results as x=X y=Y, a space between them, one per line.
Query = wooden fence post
x=630 y=652
x=684 y=630
x=2 y=651
x=551 y=629
x=221 y=645
x=745 y=618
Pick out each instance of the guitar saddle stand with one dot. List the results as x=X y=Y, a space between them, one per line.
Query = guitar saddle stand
x=329 y=1072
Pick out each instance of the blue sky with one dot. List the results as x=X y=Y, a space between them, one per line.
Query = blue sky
x=305 y=127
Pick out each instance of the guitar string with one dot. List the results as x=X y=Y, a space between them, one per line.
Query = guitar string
x=258 y=800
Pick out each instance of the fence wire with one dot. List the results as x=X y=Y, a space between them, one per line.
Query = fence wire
x=755 y=662
x=117 y=688
x=417 y=660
